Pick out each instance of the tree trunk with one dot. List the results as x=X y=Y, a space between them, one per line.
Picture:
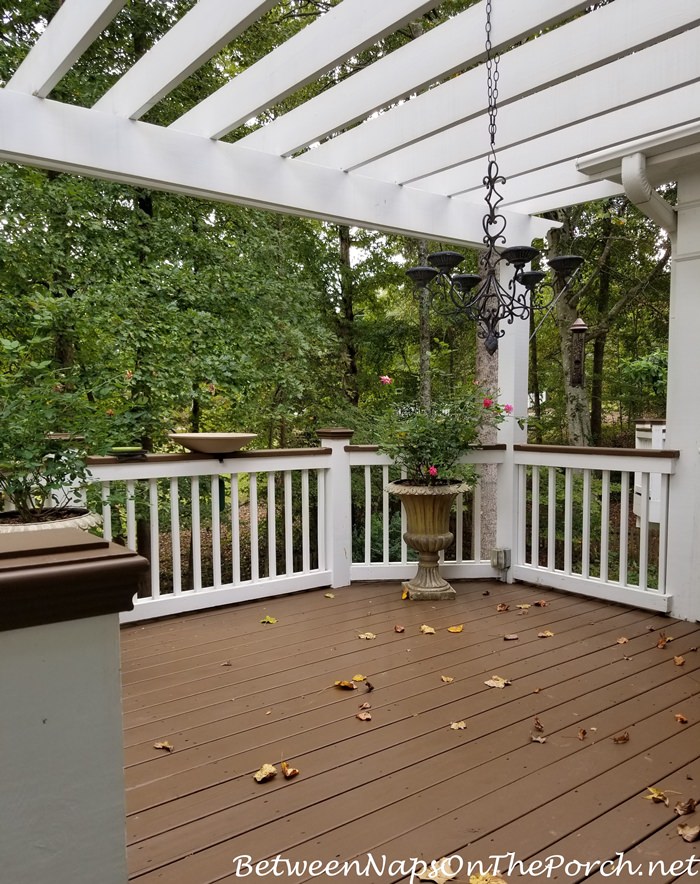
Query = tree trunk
x=346 y=317
x=425 y=394
x=487 y=376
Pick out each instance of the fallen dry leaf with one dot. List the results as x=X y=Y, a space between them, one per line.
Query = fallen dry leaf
x=458 y=725
x=541 y=603
x=447 y=679
x=685 y=807
x=268 y=619
x=486 y=592
x=658 y=796
x=537 y=738
x=501 y=607
x=439 y=871
x=289 y=772
x=679 y=661
x=546 y=633
x=456 y=628
x=269 y=712
x=399 y=628
x=582 y=733
x=523 y=613
x=345 y=685
x=624 y=737
x=164 y=745
x=427 y=630
x=227 y=663
x=367 y=635
x=497 y=681
x=266 y=772
x=369 y=686
x=404 y=595
x=622 y=640
x=538 y=725
x=365 y=706
x=359 y=677
x=511 y=637
x=680 y=718
x=486 y=878
x=523 y=607
x=329 y=595
x=536 y=690
x=689 y=833
x=663 y=640
x=364 y=716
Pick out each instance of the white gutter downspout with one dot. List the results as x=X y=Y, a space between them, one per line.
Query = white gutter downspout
x=642 y=194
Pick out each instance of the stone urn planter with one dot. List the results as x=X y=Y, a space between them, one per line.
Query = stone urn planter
x=427 y=509
x=71 y=517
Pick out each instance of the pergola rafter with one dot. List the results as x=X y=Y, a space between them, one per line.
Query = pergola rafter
x=404 y=140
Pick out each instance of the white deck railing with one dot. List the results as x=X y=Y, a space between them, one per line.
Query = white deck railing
x=576 y=526
x=265 y=523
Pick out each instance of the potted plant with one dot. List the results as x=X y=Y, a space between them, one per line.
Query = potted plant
x=42 y=464
x=427 y=443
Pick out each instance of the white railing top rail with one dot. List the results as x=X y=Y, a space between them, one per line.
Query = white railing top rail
x=163 y=466
x=629 y=459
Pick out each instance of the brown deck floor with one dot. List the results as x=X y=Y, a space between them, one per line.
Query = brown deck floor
x=230 y=694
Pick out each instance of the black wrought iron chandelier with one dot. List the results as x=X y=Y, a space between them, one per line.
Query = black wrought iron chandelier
x=481 y=297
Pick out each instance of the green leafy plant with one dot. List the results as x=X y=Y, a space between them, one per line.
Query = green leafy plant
x=428 y=443
x=42 y=466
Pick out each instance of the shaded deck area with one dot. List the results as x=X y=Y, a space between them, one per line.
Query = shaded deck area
x=230 y=693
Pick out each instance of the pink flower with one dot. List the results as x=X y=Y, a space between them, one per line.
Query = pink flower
x=385 y=379
x=488 y=403
x=433 y=471
x=508 y=409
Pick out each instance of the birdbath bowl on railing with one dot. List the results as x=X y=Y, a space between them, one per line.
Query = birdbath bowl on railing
x=216 y=444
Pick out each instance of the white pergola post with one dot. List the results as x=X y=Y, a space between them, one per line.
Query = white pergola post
x=513 y=360
x=682 y=409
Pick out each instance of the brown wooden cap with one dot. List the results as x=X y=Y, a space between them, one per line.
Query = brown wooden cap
x=335 y=433
x=64 y=574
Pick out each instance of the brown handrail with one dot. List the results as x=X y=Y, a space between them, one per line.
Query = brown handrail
x=670 y=454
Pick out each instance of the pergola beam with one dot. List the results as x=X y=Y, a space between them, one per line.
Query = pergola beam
x=438 y=54
x=595 y=39
x=669 y=66
x=69 y=33
x=343 y=31
x=81 y=141
x=196 y=38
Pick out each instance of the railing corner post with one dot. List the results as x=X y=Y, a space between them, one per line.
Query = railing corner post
x=338 y=507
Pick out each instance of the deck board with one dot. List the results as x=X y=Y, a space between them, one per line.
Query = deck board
x=405 y=784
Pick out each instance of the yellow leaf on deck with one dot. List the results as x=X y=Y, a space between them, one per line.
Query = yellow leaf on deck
x=328 y=595
x=487 y=878
x=289 y=772
x=359 y=677
x=656 y=795
x=523 y=607
x=458 y=725
x=164 y=745
x=367 y=635
x=269 y=619
x=427 y=630
x=346 y=685
x=497 y=681
x=439 y=871
x=546 y=633
x=404 y=595
x=447 y=679
x=266 y=772
x=456 y=628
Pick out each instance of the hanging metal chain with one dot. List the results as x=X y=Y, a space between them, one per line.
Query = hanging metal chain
x=492 y=59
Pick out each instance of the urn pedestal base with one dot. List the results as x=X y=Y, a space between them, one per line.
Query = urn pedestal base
x=427 y=510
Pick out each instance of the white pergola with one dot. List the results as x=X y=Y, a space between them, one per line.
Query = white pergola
x=600 y=101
